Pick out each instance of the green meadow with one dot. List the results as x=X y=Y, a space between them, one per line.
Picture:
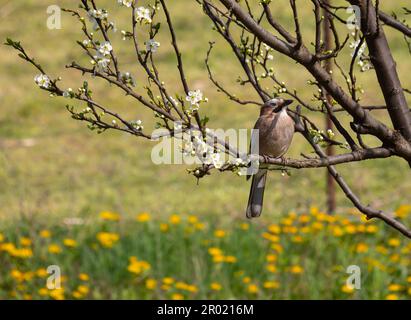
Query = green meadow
x=121 y=227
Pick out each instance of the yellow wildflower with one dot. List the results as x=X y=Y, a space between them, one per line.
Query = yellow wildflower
x=219 y=233
x=215 y=251
x=1 y=237
x=246 y=280
x=395 y=287
x=394 y=242
x=371 y=229
x=199 y=226
x=271 y=285
x=177 y=296
x=175 y=219
x=168 y=280
x=71 y=243
x=252 y=288
x=84 y=277
x=41 y=273
x=192 y=219
x=277 y=247
x=143 y=217
x=271 y=257
x=215 y=286
x=274 y=228
x=84 y=290
x=57 y=294
x=45 y=234
x=54 y=248
x=164 y=227
x=271 y=268
x=361 y=248
x=17 y=275
x=151 y=284
x=109 y=216
x=230 y=259
x=296 y=269
x=25 y=242
x=245 y=226
x=403 y=211
x=391 y=297
x=43 y=292
x=304 y=218
x=351 y=229
x=137 y=267
x=107 y=239
x=347 y=288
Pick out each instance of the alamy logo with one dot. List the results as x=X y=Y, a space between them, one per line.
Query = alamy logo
x=54 y=17
x=354 y=280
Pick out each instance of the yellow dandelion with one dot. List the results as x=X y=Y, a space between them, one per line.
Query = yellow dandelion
x=215 y=286
x=168 y=280
x=337 y=231
x=219 y=233
x=43 y=292
x=218 y=259
x=381 y=249
x=164 y=227
x=177 y=296
x=151 y=284
x=244 y=226
x=175 y=219
x=70 y=243
x=54 y=249
x=213 y=251
x=287 y=221
x=277 y=247
x=252 y=288
x=350 y=229
x=391 y=297
x=41 y=273
x=409 y=279
x=347 y=288
x=394 y=242
x=107 y=239
x=271 y=258
x=371 y=229
x=304 y=218
x=296 y=269
x=192 y=219
x=77 y=295
x=403 y=211
x=84 y=290
x=395 y=287
x=84 y=277
x=246 y=280
x=230 y=259
x=361 y=248
x=297 y=239
x=109 y=216
x=271 y=268
x=143 y=217
x=25 y=242
x=45 y=234
x=274 y=228
x=271 y=285
x=199 y=226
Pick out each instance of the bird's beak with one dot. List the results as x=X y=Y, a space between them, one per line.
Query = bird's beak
x=287 y=102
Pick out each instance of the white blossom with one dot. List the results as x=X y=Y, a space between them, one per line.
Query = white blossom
x=97 y=14
x=152 y=45
x=43 y=81
x=126 y=3
x=102 y=62
x=68 y=93
x=105 y=48
x=143 y=15
x=127 y=78
x=137 y=124
x=195 y=97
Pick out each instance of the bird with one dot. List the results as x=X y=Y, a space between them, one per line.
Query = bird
x=274 y=129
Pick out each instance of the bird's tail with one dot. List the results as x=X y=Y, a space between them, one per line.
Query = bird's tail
x=255 y=200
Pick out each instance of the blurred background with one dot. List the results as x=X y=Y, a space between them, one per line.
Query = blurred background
x=53 y=169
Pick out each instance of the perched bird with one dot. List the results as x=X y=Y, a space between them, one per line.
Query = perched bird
x=275 y=130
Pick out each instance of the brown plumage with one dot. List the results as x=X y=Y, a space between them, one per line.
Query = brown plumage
x=275 y=132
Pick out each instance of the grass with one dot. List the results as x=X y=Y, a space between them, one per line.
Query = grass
x=52 y=168
x=186 y=257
